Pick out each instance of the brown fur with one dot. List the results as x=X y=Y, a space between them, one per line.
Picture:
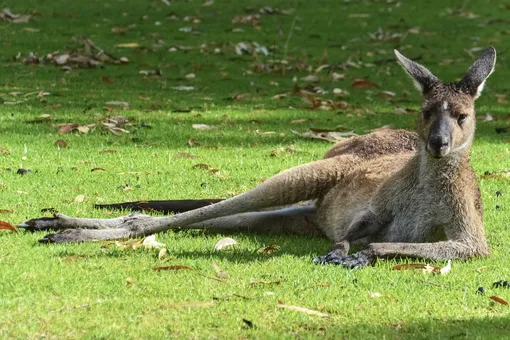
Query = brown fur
x=399 y=193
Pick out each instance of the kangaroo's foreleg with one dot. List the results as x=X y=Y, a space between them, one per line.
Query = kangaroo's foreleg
x=444 y=250
x=364 y=224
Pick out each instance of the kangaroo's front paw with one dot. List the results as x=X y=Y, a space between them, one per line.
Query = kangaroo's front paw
x=333 y=257
x=357 y=260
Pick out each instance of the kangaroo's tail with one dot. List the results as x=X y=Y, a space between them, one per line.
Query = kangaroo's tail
x=166 y=207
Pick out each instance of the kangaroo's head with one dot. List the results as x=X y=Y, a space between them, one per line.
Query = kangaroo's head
x=446 y=122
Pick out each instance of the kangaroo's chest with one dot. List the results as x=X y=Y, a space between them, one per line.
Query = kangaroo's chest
x=421 y=216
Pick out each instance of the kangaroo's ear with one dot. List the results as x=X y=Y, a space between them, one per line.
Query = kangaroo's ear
x=474 y=81
x=423 y=79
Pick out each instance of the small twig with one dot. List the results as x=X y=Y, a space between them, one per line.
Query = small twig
x=288 y=38
x=394 y=60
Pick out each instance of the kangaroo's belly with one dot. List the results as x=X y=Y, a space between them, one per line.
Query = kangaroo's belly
x=415 y=221
x=354 y=191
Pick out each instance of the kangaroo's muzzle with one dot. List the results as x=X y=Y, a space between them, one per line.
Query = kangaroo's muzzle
x=439 y=140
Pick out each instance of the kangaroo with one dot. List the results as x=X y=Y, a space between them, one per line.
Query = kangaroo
x=397 y=193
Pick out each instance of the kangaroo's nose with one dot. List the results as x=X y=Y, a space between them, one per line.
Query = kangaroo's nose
x=439 y=142
x=438 y=145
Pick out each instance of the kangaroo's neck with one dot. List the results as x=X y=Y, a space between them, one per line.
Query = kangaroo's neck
x=448 y=167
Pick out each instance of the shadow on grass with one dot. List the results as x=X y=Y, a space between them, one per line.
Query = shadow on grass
x=286 y=246
x=476 y=328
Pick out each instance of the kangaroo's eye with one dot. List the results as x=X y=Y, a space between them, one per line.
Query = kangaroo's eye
x=461 y=119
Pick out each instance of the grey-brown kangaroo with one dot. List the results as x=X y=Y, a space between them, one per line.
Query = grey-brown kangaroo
x=396 y=192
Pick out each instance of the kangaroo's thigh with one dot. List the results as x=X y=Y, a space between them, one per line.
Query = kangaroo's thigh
x=296 y=220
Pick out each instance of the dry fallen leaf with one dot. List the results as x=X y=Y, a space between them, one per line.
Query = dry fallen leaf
x=499 y=300
x=387 y=95
x=193 y=142
x=485 y=118
x=446 y=269
x=41 y=119
x=5 y=151
x=225 y=242
x=340 y=93
x=163 y=254
x=7 y=16
x=186 y=155
x=183 y=88
x=150 y=242
x=69 y=127
x=251 y=48
x=61 y=144
x=429 y=269
x=269 y=250
x=501 y=175
x=7 y=226
x=363 y=83
x=277 y=152
x=79 y=199
x=108 y=151
x=107 y=80
x=203 y=127
x=153 y=73
x=482 y=268
x=125 y=244
x=302 y=310
x=280 y=95
x=220 y=274
x=501 y=98
x=408 y=266
x=310 y=78
x=128 y=45
x=83 y=128
x=300 y=121
x=318 y=103
x=200 y=166
x=118 y=103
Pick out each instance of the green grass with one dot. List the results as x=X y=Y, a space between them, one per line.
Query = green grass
x=85 y=291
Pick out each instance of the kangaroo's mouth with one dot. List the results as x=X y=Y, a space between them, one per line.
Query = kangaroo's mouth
x=438 y=150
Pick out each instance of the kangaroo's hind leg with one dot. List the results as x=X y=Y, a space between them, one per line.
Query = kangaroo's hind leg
x=306 y=182
x=295 y=220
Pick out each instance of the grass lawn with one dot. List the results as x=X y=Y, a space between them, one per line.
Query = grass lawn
x=180 y=67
